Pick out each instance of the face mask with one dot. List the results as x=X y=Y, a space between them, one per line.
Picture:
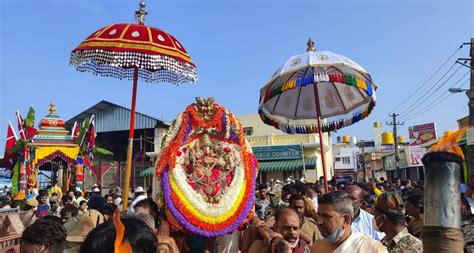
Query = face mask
x=356 y=208
x=375 y=226
x=336 y=235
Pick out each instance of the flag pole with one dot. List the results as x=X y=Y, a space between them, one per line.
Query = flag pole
x=128 y=167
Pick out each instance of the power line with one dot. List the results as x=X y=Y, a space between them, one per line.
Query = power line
x=429 y=79
x=434 y=105
x=417 y=103
x=407 y=115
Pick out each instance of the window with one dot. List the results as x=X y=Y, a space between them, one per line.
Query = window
x=338 y=159
x=346 y=160
x=248 y=131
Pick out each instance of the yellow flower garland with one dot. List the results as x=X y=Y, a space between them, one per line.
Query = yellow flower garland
x=196 y=213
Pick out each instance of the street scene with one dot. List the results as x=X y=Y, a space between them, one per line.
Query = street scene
x=245 y=126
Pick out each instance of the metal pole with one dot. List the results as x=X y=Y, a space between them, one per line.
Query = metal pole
x=470 y=148
x=395 y=137
x=364 y=169
x=128 y=167
x=320 y=132
x=302 y=157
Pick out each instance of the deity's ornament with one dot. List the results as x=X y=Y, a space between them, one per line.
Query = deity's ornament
x=206 y=171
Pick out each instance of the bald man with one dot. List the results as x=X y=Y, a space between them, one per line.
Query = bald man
x=287 y=229
x=363 y=220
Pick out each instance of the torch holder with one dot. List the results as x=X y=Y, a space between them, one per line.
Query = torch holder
x=442 y=210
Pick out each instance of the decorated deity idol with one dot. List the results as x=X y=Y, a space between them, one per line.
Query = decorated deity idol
x=205 y=173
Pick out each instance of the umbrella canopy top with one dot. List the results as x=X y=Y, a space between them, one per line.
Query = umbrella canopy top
x=315 y=58
x=116 y=49
x=345 y=93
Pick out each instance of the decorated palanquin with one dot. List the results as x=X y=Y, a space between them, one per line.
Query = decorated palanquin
x=206 y=172
x=51 y=143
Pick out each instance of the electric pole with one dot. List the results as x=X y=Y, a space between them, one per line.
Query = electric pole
x=470 y=95
x=394 y=123
x=362 y=145
x=470 y=148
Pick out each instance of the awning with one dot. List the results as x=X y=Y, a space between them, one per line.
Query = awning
x=286 y=165
x=149 y=172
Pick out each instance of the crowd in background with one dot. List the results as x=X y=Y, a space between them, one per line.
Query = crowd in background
x=76 y=222
x=377 y=216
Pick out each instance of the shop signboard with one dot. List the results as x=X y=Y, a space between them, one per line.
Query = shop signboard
x=415 y=153
x=277 y=152
x=421 y=134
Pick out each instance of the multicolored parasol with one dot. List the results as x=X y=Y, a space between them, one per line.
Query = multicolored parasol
x=134 y=51
x=317 y=92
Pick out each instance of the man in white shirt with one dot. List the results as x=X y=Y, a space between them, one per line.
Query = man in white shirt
x=335 y=214
x=363 y=220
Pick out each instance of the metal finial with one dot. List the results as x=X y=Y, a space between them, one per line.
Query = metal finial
x=310 y=46
x=141 y=13
x=52 y=108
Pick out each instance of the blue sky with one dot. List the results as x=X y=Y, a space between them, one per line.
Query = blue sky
x=236 y=46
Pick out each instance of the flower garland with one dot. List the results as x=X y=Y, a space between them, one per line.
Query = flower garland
x=186 y=208
x=189 y=209
x=221 y=230
x=170 y=150
x=173 y=131
x=232 y=194
x=215 y=122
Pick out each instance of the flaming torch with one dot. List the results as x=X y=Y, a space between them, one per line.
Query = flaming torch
x=442 y=217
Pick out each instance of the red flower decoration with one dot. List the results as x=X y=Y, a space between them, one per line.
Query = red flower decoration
x=185 y=149
x=179 y=153
x=227 y=149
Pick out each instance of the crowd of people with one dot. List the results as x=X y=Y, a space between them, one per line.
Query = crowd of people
x=73 y=222
x=378 y=216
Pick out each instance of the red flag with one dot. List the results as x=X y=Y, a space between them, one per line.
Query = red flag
x=99 y=171
x=30 y=132
x=90 y=135
x=20 y=126
x=10 y=158
x=75 y=131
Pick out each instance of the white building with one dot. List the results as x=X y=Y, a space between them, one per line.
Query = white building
x=345 y=159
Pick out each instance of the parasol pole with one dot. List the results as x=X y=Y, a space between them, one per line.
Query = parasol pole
x=320 y=133
x=318 y=118
x=128 y=167
x=140 y=19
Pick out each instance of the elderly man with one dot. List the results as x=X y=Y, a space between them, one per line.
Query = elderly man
x=286 y=229
x=335 y=216
x=362 y=221
x=390 y=218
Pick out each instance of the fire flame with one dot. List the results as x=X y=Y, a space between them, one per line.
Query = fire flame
x=449 y=143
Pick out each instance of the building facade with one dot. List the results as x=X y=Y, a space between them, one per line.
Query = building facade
x=345 y=159
x=281 y=155
x=112 y=123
